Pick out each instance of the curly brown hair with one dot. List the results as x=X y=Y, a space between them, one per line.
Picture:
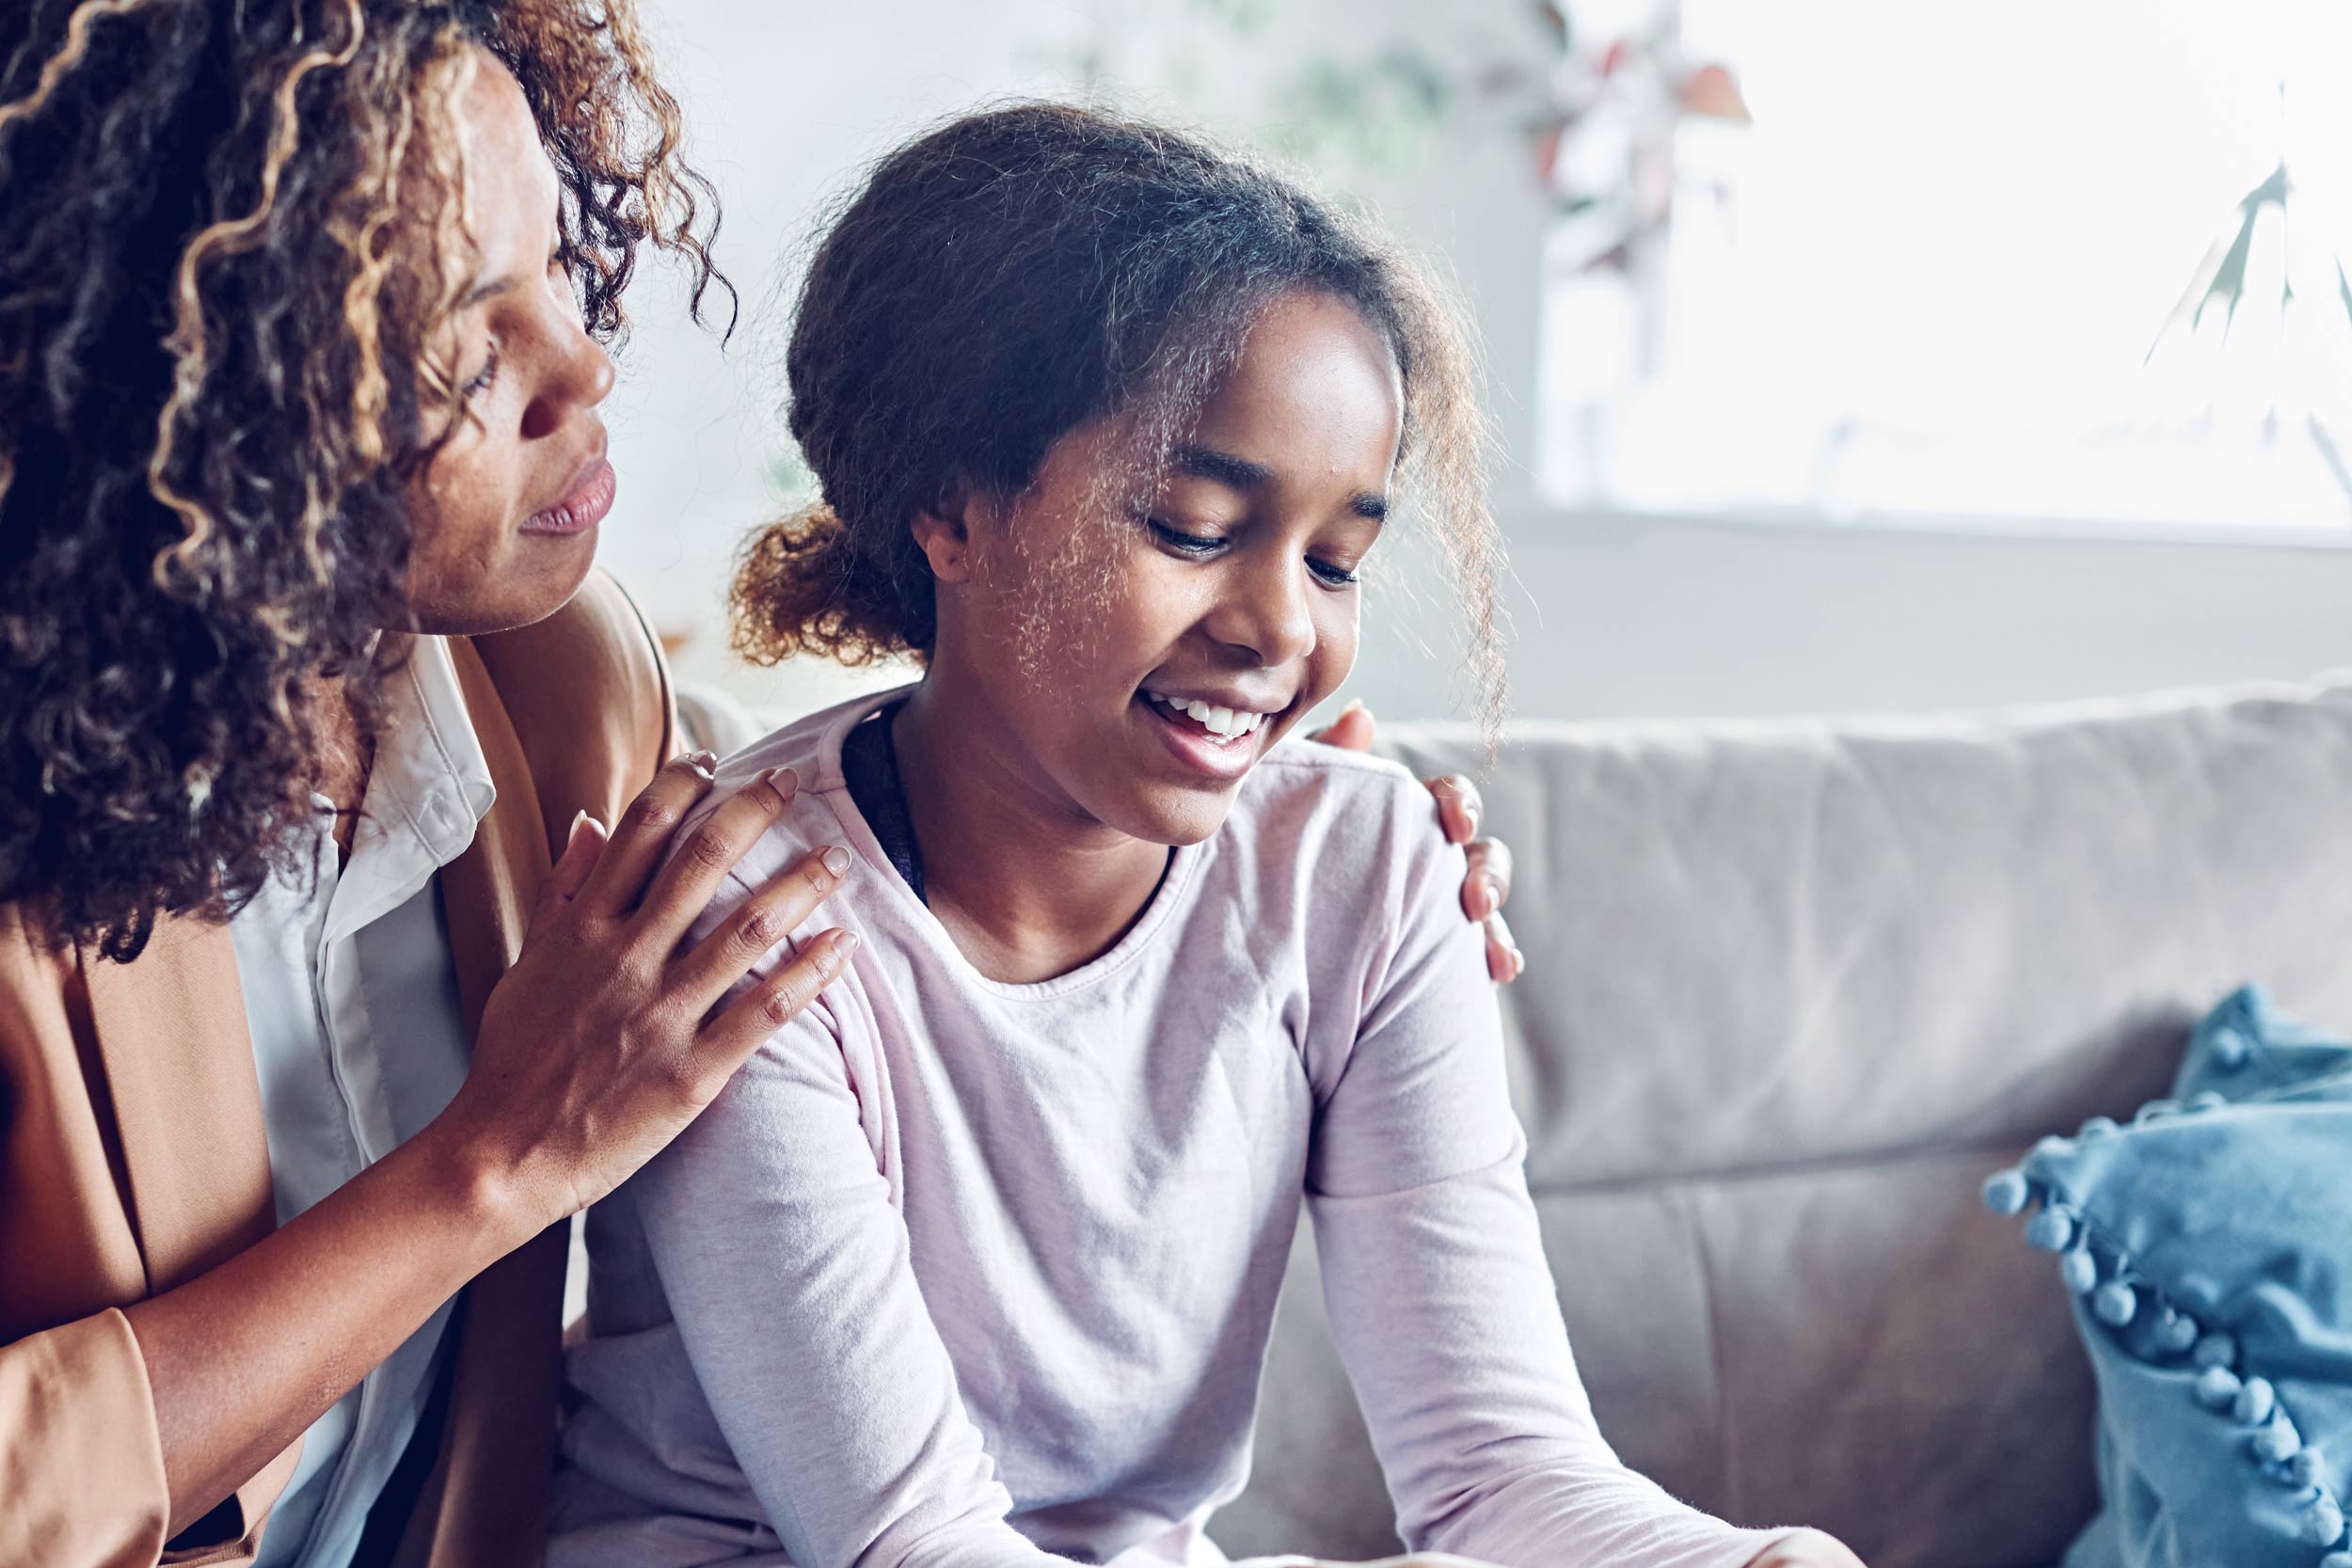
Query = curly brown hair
x=227 y=268
x=1015 y=273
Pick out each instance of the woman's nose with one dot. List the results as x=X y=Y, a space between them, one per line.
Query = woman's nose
x=578 y=379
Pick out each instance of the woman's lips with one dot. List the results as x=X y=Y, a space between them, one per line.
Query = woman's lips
x=583 y=508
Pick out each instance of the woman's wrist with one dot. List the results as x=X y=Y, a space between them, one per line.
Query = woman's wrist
x=482 y=1184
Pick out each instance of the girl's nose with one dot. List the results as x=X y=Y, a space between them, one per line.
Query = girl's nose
x=1266 y=614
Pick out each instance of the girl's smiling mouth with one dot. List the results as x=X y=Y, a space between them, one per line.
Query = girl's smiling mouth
x=1215 y=739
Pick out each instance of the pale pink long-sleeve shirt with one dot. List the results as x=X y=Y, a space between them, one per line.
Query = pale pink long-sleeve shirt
x=959 y=1273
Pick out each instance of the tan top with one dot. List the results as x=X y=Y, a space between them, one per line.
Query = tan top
x=133 y=1158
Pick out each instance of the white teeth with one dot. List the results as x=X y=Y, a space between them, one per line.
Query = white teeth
x=1228 y=723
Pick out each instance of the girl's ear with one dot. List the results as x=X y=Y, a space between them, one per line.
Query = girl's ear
x=940 y=532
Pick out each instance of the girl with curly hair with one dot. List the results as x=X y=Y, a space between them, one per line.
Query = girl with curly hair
x=302 y=313
x=975 y=1260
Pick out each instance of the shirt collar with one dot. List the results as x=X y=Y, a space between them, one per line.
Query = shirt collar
x=428 y=789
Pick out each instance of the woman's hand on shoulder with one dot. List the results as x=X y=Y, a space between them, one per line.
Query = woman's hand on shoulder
x=1487 y=887
x=608 y=1035
x=1805 y=1548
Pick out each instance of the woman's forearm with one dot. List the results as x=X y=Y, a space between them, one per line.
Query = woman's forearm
x=242 y=1360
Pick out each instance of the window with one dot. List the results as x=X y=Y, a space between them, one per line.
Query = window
x=1954 y=270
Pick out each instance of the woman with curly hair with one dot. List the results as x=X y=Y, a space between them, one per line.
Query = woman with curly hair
x=302 y=304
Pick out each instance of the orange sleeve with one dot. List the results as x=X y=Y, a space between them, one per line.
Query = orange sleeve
x=81 y=1463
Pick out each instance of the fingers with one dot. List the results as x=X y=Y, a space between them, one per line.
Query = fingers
x=637 y=840
x=1487 y=886
x=700 y=862
x=1350 y=732
x=1504 y=961
x=582 y=847
x=728 y=1040
x=727 y=954
x=1459 y=807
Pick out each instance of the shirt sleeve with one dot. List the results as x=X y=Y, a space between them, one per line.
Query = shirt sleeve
x=785 y=1265
x=1437 y=1288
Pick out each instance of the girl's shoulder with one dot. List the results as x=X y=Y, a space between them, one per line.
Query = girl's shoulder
x=1308 y=776
x=1341 y=819
x=811 y=748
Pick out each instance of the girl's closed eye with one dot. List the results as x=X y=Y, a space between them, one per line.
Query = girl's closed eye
x=1332 y=574
x=1184 y=540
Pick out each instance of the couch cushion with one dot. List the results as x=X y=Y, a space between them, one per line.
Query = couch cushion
x=1795 y=988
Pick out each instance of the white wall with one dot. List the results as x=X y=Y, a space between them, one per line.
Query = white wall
x=1613 y=615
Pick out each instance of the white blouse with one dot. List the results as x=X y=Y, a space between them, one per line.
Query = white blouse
x=358 y=1040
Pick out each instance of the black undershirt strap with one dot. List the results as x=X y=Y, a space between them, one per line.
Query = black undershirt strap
x=869 y=766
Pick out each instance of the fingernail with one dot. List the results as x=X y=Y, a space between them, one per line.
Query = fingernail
x=573 y=831
x=837 y=861
x=785 y=782
x=845 y=945
x=1355 y=704
x=703 y=758
x=1518 y=963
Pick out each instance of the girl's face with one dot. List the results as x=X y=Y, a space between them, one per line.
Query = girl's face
x=1146 y=662
x=506 y=527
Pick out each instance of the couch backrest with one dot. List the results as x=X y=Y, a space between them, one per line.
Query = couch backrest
x=1794 y=989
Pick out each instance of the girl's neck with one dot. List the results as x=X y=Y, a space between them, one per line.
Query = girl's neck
x=1025 y=884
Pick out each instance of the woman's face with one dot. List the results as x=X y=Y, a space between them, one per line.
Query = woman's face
x=506 y=520
x=1146 y=662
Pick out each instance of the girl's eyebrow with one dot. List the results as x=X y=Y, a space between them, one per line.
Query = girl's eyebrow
x=1239 y=473
x=1221 y=467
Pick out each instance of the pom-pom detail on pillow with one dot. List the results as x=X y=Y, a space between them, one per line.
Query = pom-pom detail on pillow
x=2254 y=1402
x=2053 y=1230
x=2322 y=1521
x=2005 y=1192
x=2115 y=1302
x=2218 y=1386
x=2278 y=1442
x=2079 y=1270
x=2213 y=1350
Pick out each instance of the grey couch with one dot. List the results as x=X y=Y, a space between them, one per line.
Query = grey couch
x=1794 y=990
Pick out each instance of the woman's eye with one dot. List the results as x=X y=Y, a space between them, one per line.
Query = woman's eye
x=1190 y=544
x=1331 y=576
x=480 y=381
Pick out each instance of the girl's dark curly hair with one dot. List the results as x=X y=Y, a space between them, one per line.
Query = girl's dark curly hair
x=1018 y=273
x=229 y=249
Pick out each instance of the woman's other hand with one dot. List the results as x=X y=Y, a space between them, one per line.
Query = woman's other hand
x=1487 y=887
x=608 y=1035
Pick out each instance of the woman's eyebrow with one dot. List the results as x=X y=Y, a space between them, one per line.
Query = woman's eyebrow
x=489 y=289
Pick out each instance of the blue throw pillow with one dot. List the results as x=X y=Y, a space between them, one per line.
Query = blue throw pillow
x=2208 y=1246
